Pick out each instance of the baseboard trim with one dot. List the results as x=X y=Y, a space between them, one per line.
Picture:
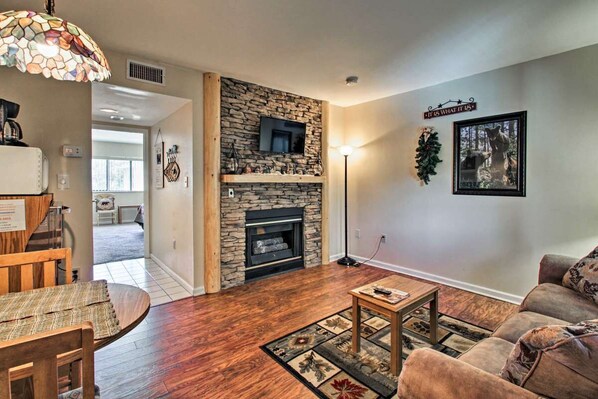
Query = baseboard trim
x=174 y=275
x=489 y=292
x=336 y=257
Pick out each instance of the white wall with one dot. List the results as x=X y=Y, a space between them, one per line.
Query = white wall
x=104 y=149
x=172 y=206
x=494 y=242
x=52 y=114
x=336 y=180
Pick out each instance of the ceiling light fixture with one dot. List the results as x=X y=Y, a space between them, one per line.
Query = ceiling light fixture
x=109 y=110
x=351 y=80
x=117 y=117
x=39 y=42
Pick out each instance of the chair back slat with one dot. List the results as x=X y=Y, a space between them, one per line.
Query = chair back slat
x=29 y=270
x=43 y=350
x=3 y=281
x=26 y=277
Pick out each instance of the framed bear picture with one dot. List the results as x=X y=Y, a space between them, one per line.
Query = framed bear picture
x=489 y=155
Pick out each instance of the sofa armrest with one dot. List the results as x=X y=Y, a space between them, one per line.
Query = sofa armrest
x=430 y=374
x=554 y=267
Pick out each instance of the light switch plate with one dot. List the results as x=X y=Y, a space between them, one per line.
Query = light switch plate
x=63 y=181
x=72 y=151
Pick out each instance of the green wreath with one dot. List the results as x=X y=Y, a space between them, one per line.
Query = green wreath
x=426 y=154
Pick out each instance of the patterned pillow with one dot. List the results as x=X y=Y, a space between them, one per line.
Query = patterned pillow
x=556 y=361
x=105 y=204
x=583 y=276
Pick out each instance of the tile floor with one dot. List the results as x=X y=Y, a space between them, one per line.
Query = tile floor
x=145 y=274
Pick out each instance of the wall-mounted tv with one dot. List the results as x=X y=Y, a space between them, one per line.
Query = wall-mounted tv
x=282 y=136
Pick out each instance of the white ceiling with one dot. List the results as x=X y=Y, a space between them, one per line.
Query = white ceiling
x=137 y=107
x=113 y=136
x=310 y=46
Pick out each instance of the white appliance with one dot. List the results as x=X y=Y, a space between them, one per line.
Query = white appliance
x=23 y=171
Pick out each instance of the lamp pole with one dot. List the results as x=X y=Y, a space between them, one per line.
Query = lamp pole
x=346 y=260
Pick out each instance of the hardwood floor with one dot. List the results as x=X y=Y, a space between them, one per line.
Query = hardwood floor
x=208 y=346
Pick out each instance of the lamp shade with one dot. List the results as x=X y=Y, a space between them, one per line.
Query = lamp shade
x=41 y=43
x=346 y=150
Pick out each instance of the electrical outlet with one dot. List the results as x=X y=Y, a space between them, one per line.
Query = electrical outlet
x=231 y=193
x=173 y=244
x=75 y=275
x=383 y=238
x=357 y=233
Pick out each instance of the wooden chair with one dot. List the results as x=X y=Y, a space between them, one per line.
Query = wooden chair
x=28 y=270
x=105 y=208
x=42 y=350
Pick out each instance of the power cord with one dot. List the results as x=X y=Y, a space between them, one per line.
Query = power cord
x=375 y=253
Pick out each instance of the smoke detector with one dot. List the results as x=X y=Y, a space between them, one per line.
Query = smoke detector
x=351 y=80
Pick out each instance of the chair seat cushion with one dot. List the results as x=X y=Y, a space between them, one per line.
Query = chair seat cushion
x=559 y=302
x=78 y=394
x=559 y=362
x=520 y=323
x=489 y=354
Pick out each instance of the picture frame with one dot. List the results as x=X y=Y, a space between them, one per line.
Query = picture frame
x=489 y=155
x=158 y=164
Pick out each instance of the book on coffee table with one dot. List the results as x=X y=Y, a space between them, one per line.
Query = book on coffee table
x=395 y=295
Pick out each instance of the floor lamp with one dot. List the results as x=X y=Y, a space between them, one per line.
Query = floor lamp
x=346 y=260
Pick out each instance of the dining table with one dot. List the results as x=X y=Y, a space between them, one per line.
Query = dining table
x=131 y=305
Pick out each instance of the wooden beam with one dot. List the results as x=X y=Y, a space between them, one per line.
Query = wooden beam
x=211 y=128
x=325 y=185
x=271 y=178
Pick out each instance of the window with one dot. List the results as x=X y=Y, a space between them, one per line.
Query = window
x=116 y=175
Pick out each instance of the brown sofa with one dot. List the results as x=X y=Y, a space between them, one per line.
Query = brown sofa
x=429 y=374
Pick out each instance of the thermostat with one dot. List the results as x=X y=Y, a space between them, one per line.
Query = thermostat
x=72 y=151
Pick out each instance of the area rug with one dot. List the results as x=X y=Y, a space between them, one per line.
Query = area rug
x=115 y=242
x=320 y=356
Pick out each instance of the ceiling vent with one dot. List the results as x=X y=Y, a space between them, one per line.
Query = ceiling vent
x=147 y=73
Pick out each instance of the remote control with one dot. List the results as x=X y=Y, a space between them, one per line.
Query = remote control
x=381 y=290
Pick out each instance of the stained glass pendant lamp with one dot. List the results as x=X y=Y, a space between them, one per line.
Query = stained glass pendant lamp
x=39 y=42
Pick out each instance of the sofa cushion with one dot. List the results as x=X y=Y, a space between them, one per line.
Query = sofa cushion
x=489 y=354
x=520 y=323
x=559 y=302
x=556 y=361
x=583 y=276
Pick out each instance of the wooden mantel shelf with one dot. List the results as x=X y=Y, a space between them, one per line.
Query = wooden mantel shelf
x=271 y=178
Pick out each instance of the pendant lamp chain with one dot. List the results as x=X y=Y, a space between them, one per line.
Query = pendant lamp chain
x=50 y=7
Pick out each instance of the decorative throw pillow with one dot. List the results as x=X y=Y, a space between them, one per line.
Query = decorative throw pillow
x=583 y=276
x=556 y=361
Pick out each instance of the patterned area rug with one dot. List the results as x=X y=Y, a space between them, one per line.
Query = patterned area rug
x=320 y=355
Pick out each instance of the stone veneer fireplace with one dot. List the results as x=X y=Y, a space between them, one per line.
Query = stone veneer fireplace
x=242 y=104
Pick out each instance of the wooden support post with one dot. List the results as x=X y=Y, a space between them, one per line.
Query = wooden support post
x=325 y=233
x=211 y=115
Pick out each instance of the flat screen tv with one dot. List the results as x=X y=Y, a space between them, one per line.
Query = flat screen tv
x=282 y=136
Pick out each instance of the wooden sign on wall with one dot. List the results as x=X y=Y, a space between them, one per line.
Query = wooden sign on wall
x=435 y=112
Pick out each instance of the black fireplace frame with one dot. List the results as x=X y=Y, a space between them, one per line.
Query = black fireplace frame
x=272 y=218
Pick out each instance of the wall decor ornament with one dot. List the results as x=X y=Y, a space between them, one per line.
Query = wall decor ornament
x=426 y=154
x=173 y=170
x=319 y=168
x=233 y=160
x=489 y=155
x=440 y=110
x=158 y=161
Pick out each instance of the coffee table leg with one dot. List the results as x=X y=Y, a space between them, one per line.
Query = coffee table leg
x=434 y=319
x=356 y=325
x=396 y=343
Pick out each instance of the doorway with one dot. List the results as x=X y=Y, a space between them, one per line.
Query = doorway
x=140 y=240
x=118 y=187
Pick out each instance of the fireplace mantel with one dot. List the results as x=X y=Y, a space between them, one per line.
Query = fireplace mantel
x=271 y=178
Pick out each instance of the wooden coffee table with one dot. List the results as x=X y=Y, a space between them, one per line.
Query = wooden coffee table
x=419 y=294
